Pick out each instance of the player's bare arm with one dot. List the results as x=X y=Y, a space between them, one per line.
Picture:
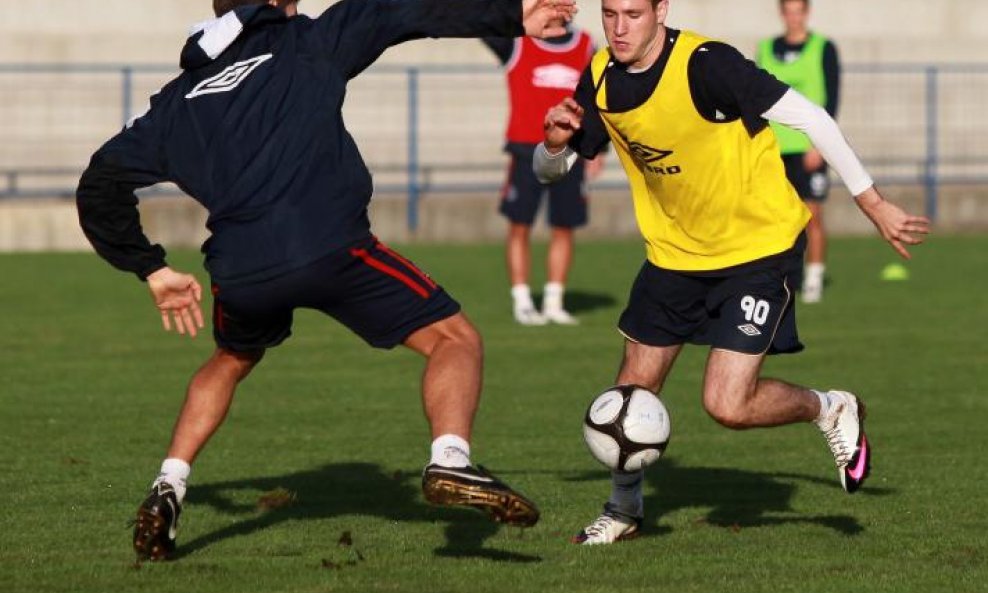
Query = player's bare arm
x=177 y=296
x=595 y=166
x=812 y=160
x=895 y=225
x=547 y=18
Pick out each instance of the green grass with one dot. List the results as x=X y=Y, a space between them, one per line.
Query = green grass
x=89 y=387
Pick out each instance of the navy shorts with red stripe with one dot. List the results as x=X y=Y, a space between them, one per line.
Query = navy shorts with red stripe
x=371 y=289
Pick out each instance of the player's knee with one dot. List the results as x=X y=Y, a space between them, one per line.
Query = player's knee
x=463 y=335
x=726 y=411
x=519 y=232
x=454 y=332
x=240 y=363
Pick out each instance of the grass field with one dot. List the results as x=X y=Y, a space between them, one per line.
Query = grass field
x=89 y=387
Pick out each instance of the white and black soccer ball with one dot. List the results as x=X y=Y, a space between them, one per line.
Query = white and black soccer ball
x=626 y=428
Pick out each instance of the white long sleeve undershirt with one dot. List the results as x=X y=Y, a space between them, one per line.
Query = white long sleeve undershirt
x=792 y=110
x=795 y=111
x=548 y=167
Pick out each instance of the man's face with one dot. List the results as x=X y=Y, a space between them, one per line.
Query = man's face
x=631 y=27
x=795 y=14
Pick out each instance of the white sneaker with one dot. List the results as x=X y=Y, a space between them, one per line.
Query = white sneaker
x=529 y=316
x=560 y=316
x=812 y=292
x=843 y=427
x=608 y=528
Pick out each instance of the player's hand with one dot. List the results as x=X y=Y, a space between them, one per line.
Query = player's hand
x=547 y=18
x=812 y=160
x=895 y=225
x=177 y=297
x=561 y=122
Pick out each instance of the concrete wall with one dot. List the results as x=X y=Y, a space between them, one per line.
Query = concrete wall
x=153 y=30
x=59 y=121
x=175 y=222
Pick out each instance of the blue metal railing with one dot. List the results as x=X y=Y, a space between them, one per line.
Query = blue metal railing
x=926 y=166
x=932 y=102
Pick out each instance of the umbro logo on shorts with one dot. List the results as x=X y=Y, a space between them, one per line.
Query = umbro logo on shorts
x=749 y=330
x=230 y=78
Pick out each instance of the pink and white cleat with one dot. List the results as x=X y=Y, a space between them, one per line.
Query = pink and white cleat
x=843 y=427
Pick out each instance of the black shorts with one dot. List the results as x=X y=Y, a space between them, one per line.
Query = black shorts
x=523 y=192
x=746 y=308
x=812 y=186
x=375 y=292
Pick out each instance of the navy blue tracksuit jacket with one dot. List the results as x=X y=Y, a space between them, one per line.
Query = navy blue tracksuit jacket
x=253 y=129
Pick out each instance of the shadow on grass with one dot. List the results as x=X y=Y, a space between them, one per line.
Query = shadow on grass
x=578 y=301
x=343 y=489
x=736 y=499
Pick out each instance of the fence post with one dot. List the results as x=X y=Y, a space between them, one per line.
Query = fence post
x=931 y=175
x=413 y=149
x=128 y=83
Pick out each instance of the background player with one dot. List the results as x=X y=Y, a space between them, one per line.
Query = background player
x=807 y=62
x=540 y=73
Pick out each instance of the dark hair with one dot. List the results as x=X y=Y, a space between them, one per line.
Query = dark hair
x=221 y=7
x=806 y=3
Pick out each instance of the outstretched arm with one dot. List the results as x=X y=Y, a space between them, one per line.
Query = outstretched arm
x=895 y=225
x=107 y=204
x=111 y=221
x=356 y=32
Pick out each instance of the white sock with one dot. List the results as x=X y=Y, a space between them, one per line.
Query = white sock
x=450 y=450
x=814 y=274
x=175 y=472
x=825 y=404
x=626 y=493
x=552 y=299
x=522 y=296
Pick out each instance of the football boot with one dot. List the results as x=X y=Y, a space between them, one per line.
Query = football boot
x=478 y=488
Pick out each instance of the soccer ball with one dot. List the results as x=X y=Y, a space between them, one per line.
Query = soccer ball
x=626 y=428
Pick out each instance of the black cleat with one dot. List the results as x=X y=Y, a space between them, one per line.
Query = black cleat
x=157 y=523
x=477 y=488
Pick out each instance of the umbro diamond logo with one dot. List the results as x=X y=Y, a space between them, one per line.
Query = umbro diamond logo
x=230 y=78
x=647 y=154
x=749 y=330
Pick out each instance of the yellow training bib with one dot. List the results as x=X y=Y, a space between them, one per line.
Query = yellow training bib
x=707 y=195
